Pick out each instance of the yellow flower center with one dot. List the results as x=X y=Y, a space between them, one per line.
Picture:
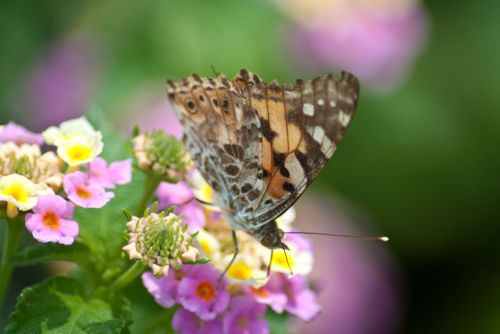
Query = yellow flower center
x=205 y=291
x=240 y=271
x=50 y=219
x=83 y=193
x=79 y=153
x=280 y=259
x=17 y=191
x=207 y=193
x=205 y=246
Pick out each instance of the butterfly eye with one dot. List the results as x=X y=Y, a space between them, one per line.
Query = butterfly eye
x=191 y=106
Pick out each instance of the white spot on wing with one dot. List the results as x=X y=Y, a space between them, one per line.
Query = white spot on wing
x=330 y=152
x=318 y=134
x=295 y=168
x=332 y=103
x=326 y=146
x=344 y=118
x=321 y=102
x=308 y=109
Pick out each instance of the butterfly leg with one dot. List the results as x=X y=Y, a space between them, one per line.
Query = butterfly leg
x=236 y=251
x=270 y=262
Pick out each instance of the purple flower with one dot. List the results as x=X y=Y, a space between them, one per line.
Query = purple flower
x=270 y=294
x=186 y=322
x=302 y=243
x=18 y=134
x=62 y=82
x=164 y=289
x=201 y=291
x=181 y=195
x=84 y=194
x=301 y=301
x=245 y=316
x=51 y=220
x=118 y=172
x=377 y=42
x=289 y=294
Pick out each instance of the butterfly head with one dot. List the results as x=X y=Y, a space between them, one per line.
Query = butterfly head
x=270 y=236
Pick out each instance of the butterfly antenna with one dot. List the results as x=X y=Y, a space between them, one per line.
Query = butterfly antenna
x=285 y=247
x=360 y=237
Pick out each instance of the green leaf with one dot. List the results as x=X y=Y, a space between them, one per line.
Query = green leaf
x=59 y=305
x=148 y=317
x=115 y=144
x=277 y=322
x=77 y=252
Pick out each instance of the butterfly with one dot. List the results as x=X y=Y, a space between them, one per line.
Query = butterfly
x=259 y=145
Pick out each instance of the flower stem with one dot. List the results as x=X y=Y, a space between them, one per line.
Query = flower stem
x=131 y=274
x=150 y=186
x=14 y=227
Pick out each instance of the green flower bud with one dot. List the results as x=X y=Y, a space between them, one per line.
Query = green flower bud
x=162 y=155
x=160 y=241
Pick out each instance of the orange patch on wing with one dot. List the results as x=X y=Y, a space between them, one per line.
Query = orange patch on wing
x=261 y=107
x=277 y=121
x=294 y=137
x=275 y=189
x=267 y=155
x=303 y=146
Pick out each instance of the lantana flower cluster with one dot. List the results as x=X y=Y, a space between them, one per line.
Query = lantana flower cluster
x=44 y=185
x=207 y=300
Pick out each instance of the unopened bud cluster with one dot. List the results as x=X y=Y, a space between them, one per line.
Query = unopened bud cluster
x=160 y=240
x=162 y=154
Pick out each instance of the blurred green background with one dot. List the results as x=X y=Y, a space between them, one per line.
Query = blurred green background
x=422 y=158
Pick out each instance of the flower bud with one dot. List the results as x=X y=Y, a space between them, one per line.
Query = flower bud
x=162 y=154
x=160 y=240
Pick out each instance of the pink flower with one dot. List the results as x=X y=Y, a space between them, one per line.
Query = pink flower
x=245 y=316
x=289 y=294
x=18 y=134
x=51 y=222
x=84 y=194
x=186 y=322
x=181 y=195
x=118 y=172
x=164 y=289
x=201 y=291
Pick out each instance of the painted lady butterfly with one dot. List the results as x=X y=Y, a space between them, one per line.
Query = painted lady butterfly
x=260 y=145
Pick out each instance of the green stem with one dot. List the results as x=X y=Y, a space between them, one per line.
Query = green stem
x=130 y=275
x=14 y=227
x=150 y=186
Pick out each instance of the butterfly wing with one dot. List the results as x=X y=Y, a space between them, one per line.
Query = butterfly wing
x=260 y=145
x=222 y=134
x=301 y=126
